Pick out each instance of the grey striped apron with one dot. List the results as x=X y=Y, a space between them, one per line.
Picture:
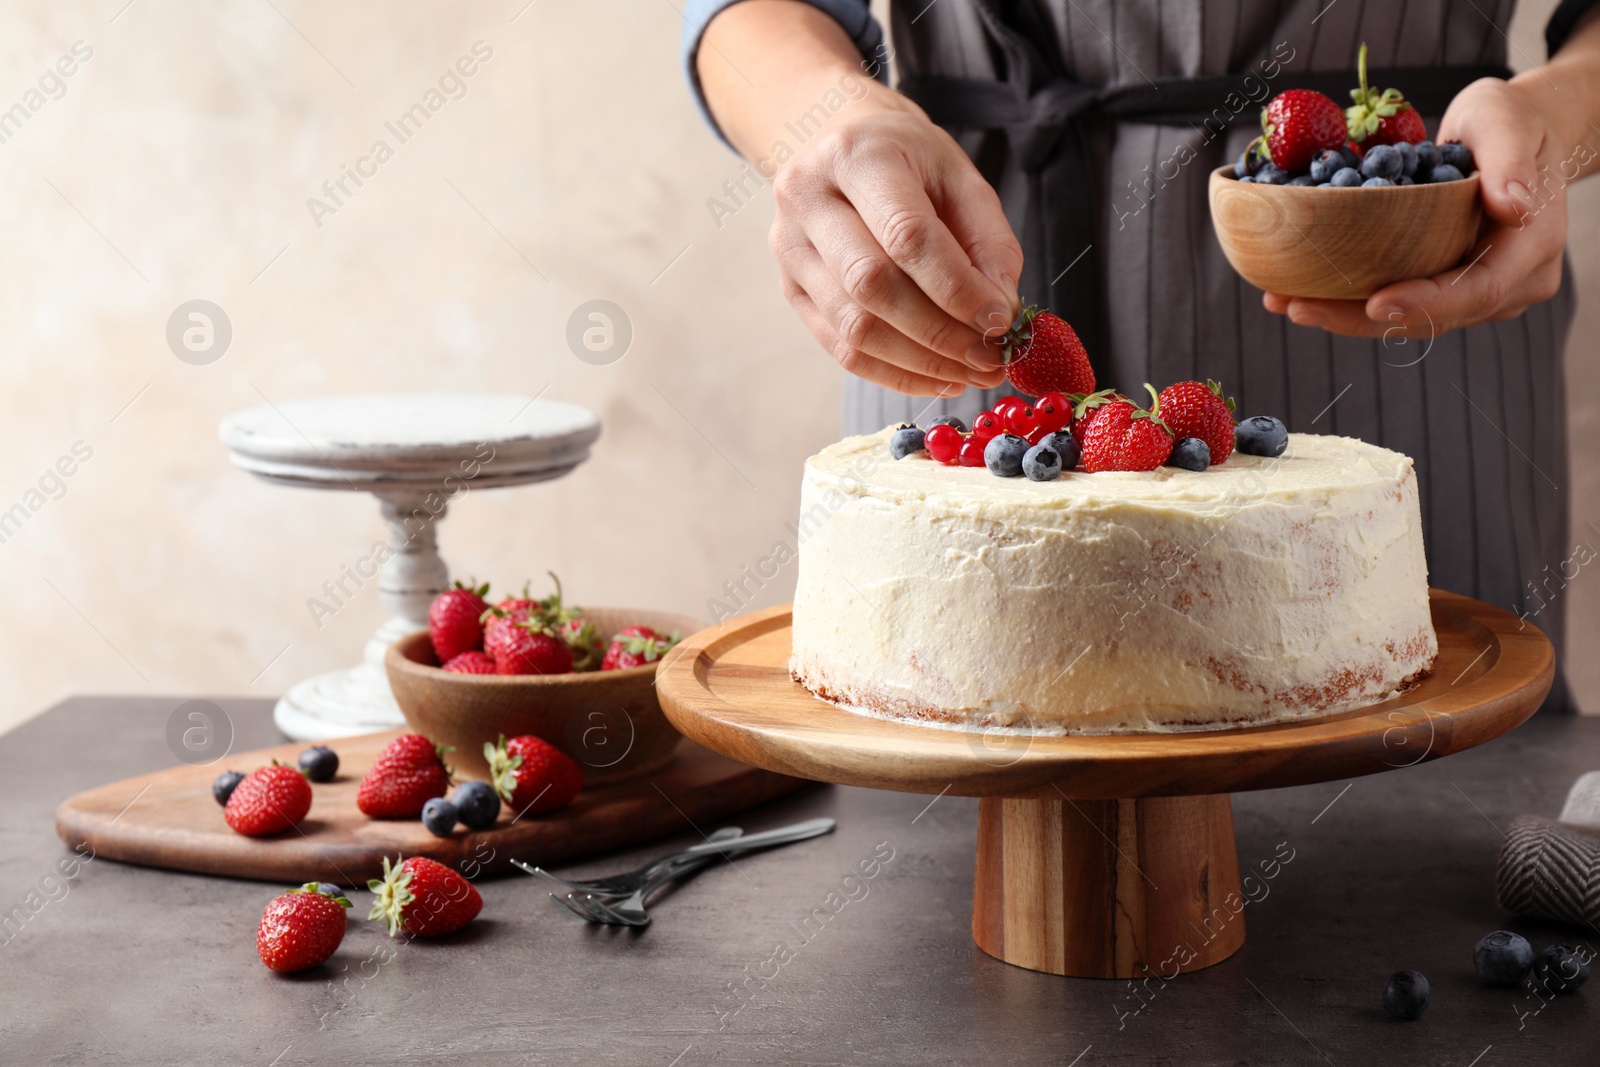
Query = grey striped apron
x=1070 y=124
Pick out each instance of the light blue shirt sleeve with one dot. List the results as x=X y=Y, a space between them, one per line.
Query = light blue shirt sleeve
x=853 y=16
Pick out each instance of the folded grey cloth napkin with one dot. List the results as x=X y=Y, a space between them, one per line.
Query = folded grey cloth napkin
x=1551 y=868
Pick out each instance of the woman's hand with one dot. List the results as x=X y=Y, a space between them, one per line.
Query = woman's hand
x=1515 y=130
x=895 y=252
x=890 y=245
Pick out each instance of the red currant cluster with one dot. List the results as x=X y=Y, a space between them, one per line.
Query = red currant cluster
x=950 y=444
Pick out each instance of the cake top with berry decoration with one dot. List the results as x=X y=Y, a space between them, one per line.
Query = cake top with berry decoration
x=1311 y=466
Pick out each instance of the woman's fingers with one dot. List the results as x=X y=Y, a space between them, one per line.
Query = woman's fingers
x=864 y=273
x=868 y=367
x=856 y=331
x=1493 y=120
x=1506 y=271
x=971 y=208
x=878 y=178
x=1509 y=269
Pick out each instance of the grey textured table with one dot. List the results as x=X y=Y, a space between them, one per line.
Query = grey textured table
x=130 y=965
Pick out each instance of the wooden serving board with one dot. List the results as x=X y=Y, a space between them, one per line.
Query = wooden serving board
x=169 y=819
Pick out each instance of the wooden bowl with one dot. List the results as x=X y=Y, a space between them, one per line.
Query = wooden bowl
x=1341 y=244
x=609 y=721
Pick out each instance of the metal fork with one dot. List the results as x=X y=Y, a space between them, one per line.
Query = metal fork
x=630 y=910
x=622 y=885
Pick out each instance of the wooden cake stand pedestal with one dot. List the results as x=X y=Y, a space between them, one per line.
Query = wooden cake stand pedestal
x=417 y=453
x=1113 y=856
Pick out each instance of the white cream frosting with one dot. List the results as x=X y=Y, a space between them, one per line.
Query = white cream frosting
x=1256 y=591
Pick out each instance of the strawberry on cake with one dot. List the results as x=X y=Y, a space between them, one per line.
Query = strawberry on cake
x=1123 y=583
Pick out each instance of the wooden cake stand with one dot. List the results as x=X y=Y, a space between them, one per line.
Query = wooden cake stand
x=1111 y=856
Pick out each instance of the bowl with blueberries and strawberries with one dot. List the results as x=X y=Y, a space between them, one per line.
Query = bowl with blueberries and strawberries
x=1337 y=202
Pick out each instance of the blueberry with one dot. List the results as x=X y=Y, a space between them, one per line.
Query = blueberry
x=1003 y=455
x=1066 y=446
x=951 y=420
x=1408 y=158
x=320 y=763
x=328 y=889
x=1407 y=995
x=1427 y=156
x=1560 y=969
x=1328 y=162
x=223 y=787
x=1245 y=165
x=1351 y=159
x=1262 y=435
x=1247 y=178
x=1456 y=155
x=1382 y=161
x=906 y=440
x=1403 y=180
x=1191 y=454
x=1303 y=179
x=1503 y=958
x=1272 y=174
x=1376 y=182
x=439 y=816
x=1444 y=172
x=1348 y=178
x=1041 y=463
x=477 y=805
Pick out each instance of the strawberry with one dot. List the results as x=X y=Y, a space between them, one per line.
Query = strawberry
x=471 y=662
x=634 y=646
x=1296 y=125
x=1042 y=354
x=408 y=773
x=521 y=606
x=1123 y=437
x=530 y=636
x=522 y=647
x=1086 y=407
x=1193 y=409
x=423 y=897
x=1381 y=118
x=455 y=620
x=531 y=775
x=301 y=928
x=268 y=801
x=587 y=646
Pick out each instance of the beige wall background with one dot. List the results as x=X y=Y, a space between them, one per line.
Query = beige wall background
x=176 y=164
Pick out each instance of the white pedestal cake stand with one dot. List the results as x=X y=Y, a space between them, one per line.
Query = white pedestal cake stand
x=416 y=453
x=1102 y=857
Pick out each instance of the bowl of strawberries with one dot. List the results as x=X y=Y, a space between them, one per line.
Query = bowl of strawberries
x=1337 y=203
x=582 y=679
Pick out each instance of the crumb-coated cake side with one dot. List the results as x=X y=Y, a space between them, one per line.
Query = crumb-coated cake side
x=1260 y=590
